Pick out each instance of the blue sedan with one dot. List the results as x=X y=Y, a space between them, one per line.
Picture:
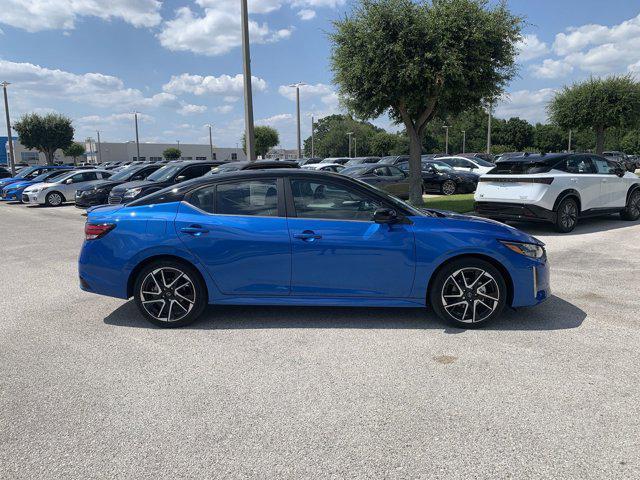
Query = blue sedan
x=29 y=173
x=297 y=237
x=13 y=191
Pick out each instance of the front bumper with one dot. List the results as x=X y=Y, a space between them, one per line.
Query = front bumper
x=86 y=199
x=32 y=198
x=513 y=211
x=10 y=195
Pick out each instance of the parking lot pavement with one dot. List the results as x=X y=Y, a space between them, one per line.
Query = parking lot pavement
x=88 y=389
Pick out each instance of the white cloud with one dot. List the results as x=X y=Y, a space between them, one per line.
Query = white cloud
x=282 y=118
x=191 y=109
x=113 y=119
x=551 y=69
x=210 y=85
x=635 y=67
x=306 y=14
x=224 y=109
x=318 y=3
x=37 y=15
x=96 y=89
x=218 y=30
x=527 y=104
x=325 y=92
x=531 y=47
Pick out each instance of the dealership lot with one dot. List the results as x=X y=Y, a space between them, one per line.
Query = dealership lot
x=88 y=388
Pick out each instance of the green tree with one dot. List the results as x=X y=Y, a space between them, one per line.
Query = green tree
x=74 y=150
x=172 y=153
x=45 y=133
x=520 y=133
x=549 y=138
x=331 y=139
x=631 y=142
x=597 y=104
x=384 y=143
x=265 y=137
x=416 y=60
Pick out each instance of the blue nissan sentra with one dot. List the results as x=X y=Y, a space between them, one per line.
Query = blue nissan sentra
x=299 y=237
x=14 y=190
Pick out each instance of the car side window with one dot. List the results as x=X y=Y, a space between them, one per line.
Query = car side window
x=246 y=197
x=464 y=163
x=396 y=172
x=603 y=166
x=319 y=199
x=577 y=164
x=381 y=172
x=193 y=171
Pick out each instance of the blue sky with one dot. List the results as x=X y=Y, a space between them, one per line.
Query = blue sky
x=178 y=62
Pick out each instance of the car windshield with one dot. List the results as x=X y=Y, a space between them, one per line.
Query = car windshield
x=483 y=163
x=24 y=173
x=439 y=166
x=49 y=176
x=163 y=174
x=353 y=171
x=229 y=167
x=387 y=160
x=124 y=174
x=59 y=177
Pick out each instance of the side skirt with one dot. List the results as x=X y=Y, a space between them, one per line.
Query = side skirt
x=321 y=301
x=595 y=212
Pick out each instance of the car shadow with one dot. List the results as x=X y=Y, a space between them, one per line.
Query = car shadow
x=584 y=227
x=554 y=314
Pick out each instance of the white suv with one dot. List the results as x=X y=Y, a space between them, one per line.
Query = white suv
x=558 y=188
x=464 y=164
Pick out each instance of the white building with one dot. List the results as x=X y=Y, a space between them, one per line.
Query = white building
x=282 y=154
x=127 y=151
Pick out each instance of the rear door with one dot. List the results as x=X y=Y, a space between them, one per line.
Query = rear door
x=239 y=232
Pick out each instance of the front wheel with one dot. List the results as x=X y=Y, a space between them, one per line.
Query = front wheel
x=468 y=293
x=567 y=215
x=632 y=210
x=170 y=294
x=54 y=199
x=448 y=187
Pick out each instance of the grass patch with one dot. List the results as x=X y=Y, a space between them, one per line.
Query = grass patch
x=455 y=203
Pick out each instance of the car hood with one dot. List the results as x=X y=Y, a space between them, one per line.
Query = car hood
x=19 y=184
x=7 y=181
x=138 y=184
x=39 y=185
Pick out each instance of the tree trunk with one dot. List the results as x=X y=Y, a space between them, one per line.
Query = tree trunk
x=415 y=167
x=49 y=155
x=599 y=140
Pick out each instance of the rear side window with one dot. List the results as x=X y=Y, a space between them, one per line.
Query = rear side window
x=522 y=168
x=247 y=197
x=578 y=164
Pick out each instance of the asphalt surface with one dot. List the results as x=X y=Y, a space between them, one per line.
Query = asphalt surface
x=88 y=389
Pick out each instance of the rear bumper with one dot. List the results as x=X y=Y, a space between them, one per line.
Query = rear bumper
x=513 y=211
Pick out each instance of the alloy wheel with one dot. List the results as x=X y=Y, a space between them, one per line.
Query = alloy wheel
x=449 y=187
x=470 y=295
x=167 y=294
x=634 y=204
x=568 y=215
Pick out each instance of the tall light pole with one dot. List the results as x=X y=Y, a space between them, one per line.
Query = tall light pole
x=489 y=129
x=248 y=99
x=98 y=147
x=312 y=138
x=12 y=163
x=464 y=140
x=210 y=140
x=349 y=134
x=355 y=146
x=446 y=139
x=569 y=141
x=135 y=116
x=297 y=87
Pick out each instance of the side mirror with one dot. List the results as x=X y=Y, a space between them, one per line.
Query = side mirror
x=385 y=215
x=69 y=181
x=180 y=178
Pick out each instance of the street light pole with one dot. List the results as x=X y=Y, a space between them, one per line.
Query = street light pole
x=98 y=147
x=349 y=134
x=297 y=87
x=446 y=139
x=464 y=140
x=312 y=138
x=248 y=99
x=12 y=163
x=210 y=141
x=355 y=146
x=569 y=141
x=489 y=129
x=135 y=115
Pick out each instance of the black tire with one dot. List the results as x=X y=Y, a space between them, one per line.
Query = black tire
x=54 y=199
x=632 y=211
x=567 y=215
x=152 y=301
x=489 y=285
x=448 y=187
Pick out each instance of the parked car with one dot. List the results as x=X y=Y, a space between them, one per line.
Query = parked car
x=394 y=159
x=627 y=162
x=338 y=160
x=386 y=177
x=257 y=165
x=13 y=191
x=28 y=173
x=62 y=188
x=483 y=155
x=97 y=193
x=169 y=174
x=462 y=164
x=558 y=188
x=306 y=161
x=360 y=160
x=325 y=167
x=300 y=237
x=510 y=155
x=439 y=177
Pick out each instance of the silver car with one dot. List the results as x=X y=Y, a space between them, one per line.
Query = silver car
x=62 y=188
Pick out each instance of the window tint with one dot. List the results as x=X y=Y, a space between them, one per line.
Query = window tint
x=382 y=172
x=395 y=172
x=194 y=171
x=84 y=177
x=203 y=198
x=247 y=197
x=603 y=166
x=576 y=164
x=315 y=199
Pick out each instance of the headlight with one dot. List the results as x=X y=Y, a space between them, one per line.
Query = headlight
x=530 y=250
x=99 y=190
x=132 y=192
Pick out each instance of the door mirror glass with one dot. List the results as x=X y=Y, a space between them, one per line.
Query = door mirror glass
x=385 y=215
x=181 y=178
x=69 y=181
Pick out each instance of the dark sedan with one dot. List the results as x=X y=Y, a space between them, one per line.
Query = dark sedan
x=441 y=178
x=98 y=192
x=384 y=177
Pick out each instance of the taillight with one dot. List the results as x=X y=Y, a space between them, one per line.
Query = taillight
x=93 y=231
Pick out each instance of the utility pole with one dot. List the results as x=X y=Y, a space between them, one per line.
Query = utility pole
x=98 y=147
x=297 y=87
x=464 y=140
x=248 y=99
x=355 y=146
x=210 y=141
x=312 y=138
x=446 y=139
x=135 y=116
x=349 y=133
x=569 y=140
x=12 y=162
x=489 y=129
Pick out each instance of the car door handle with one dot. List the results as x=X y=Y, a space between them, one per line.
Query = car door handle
x=307 y=236
x=194 y=230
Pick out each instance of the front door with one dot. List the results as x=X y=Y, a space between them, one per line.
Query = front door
x=238 y=231
x=337 y=250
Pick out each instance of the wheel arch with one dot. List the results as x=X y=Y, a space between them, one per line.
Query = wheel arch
x=632 y=188
x=162 y=257
x=508 y=280
x=64 y=198
x=571 y=192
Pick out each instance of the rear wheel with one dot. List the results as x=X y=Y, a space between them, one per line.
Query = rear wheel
x=468 y=293
x=632 y=210
x=567 y=215
x=448 y=187
x=170 y=294
x=54 y=199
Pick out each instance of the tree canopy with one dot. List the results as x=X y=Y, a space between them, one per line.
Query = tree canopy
x=45 y=133
x=598 y=104
x=172 y=153
x=416 y=60
x=331 y=139
x=265 y=139
x=74 y=150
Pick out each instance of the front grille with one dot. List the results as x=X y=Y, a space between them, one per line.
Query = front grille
x=115 y=199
